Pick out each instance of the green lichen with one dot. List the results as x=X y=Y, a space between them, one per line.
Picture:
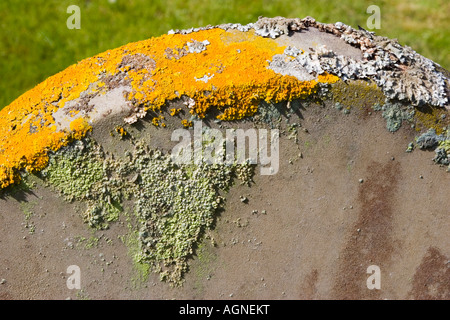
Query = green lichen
x=27 y=209
x=87 y=243
x=74 y=174
x=429 y=139
x=445 y=142
x=141 y=268
x=205 y=267
x=395 y=114
x=82 y=295
x=440 y=144
x=174 y=204
x=81 y=173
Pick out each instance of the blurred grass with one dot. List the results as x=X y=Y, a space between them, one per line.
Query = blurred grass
x=35 y=42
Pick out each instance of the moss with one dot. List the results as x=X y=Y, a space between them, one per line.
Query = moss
x=356 y=93
x=428 y=117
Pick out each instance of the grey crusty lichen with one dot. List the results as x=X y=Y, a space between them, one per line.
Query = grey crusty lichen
x=395 y=114
x=441 y=143
x=398 y=70
x=402 y=73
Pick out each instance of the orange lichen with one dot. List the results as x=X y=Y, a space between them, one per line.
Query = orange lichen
x=120 y=130
x=230 y=74
x=327 y=78
x=156 y=121
x=236 y=66
x=186 y=123
x=79 y=127
x=174 y=111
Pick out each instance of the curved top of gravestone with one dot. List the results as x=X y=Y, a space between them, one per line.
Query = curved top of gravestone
x=226 y=70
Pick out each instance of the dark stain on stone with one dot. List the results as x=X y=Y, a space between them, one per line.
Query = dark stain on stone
x=370 y=241
x=432 y=278
x=309 y=286
x=5 y=295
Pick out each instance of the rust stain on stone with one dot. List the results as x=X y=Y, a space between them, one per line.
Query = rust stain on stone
x=370 y=241
x=432 y=278
x=309 y=286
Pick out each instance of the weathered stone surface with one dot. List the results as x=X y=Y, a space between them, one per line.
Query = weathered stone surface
x=86 y=168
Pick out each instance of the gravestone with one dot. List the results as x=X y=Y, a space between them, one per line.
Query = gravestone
x=282 y=159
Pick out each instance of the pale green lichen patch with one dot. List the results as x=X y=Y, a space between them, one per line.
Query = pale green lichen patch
x=80 y=173
x=73 y=173
x=174 y=204
x=28 y=210
x=395 y=114
x=445 y=142
x=141 y=269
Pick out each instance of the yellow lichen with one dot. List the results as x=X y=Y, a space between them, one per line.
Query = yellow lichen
x=234 y=62
x=120 y=130
x=186 y=123
x=155 y=121
x=174 y=111
x=327 y=78
x=79 y=127
x=236 y=65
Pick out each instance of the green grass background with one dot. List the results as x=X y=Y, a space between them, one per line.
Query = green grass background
x=35 y=42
